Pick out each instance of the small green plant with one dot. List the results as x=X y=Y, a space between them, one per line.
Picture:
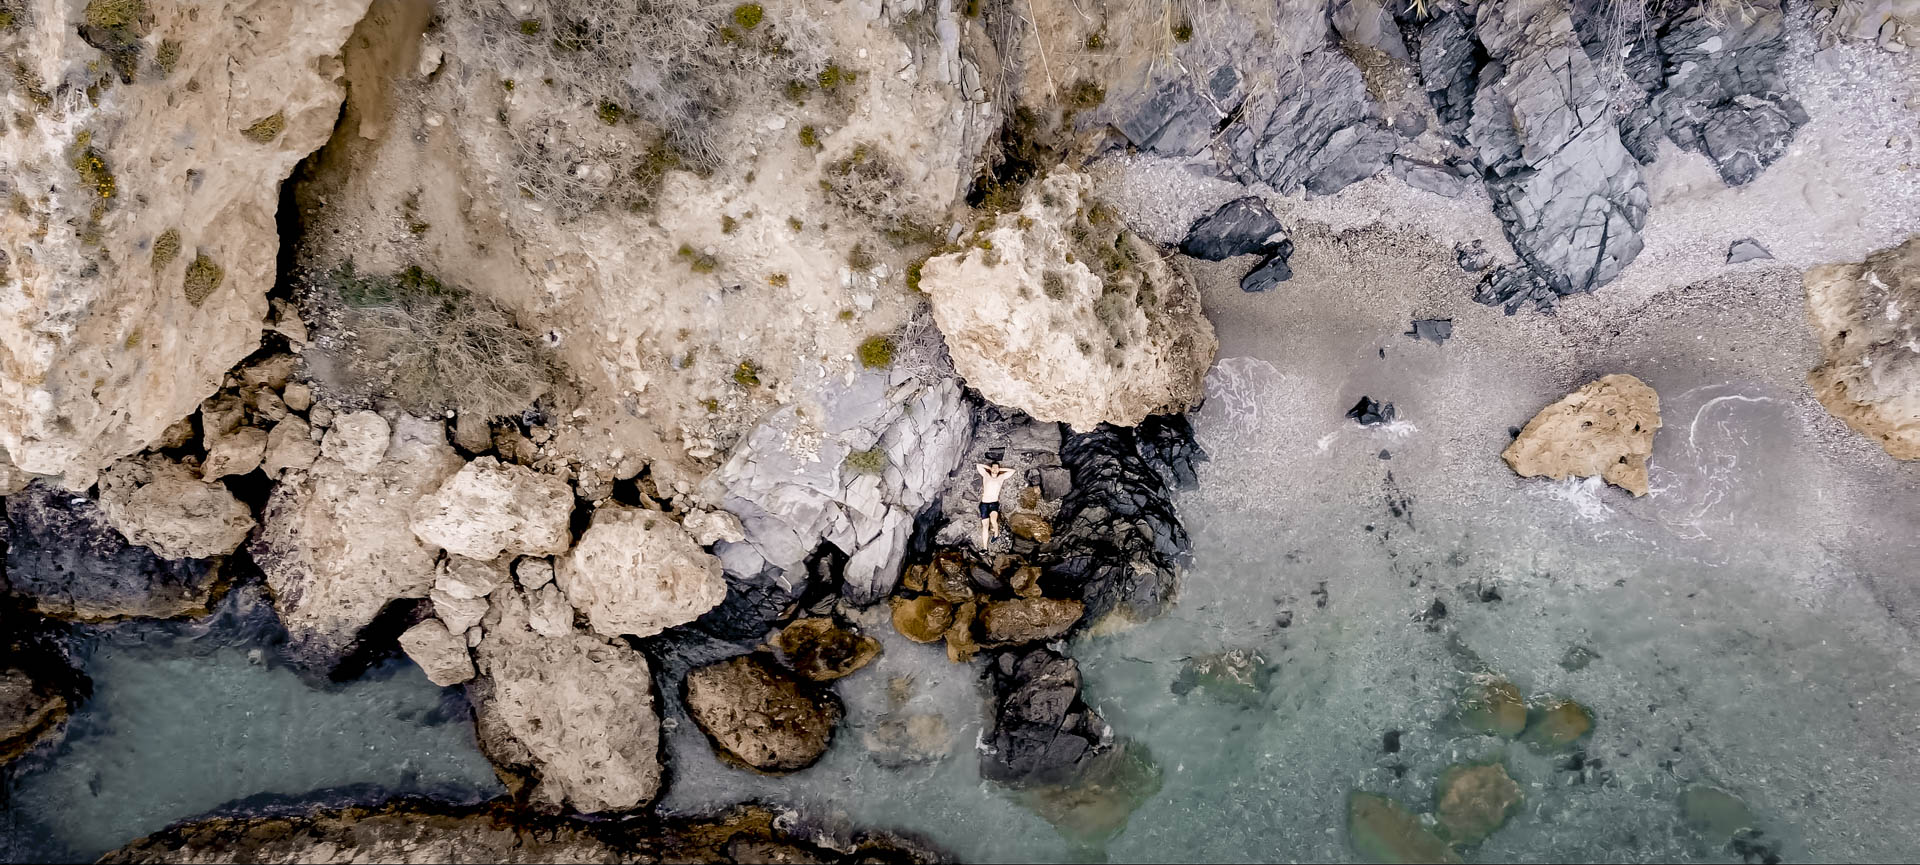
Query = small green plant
x=115 y=14
x=698 y=262
x=794 y=223
x=507 y=83
x=1083 y=94
x=747 y=374
x=202 y=279
x=6 y=19
x=876 y=352
x=266 y=129
x=1183 y=29
x=913 y=275
x=167 y=56
x=609 y=113
x=871 y=461
x=796 y=91
x=833 y=76
x=748 y=15
x=859 y=258
x=1096 y=41
x=531 y=27
x=846 y=315
x=1053 y=284
x=166 y=248
x=809 y=137
x=92 y=168
x=728 y=224
x=777 y=280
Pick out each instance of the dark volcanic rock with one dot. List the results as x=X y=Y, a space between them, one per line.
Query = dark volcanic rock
x=1447 y=66
x=1243 y=226
x=1117 y=542
x=1725 y=95
x=62 y=554
x=1472 y=256
x=1174 y=115
x=1369 y=411
x=1437 y=330
x=1043 y=732
x=1317 y=128
x=1268 y=274
x=1513 y=288
x=1748 y=249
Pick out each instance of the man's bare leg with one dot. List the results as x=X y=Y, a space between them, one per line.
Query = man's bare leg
x=993 y=524
x=985 y=528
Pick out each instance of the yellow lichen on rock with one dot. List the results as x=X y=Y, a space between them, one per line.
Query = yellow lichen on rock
x=1604 y=429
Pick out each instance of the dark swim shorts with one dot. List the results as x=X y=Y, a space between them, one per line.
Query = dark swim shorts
x=989 y=508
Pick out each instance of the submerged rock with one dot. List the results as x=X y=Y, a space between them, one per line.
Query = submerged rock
x=1558 y=724
x=1604 y=429
x=821 y=650
x=924 y=619
x=1492 y=706
x=576 y=709
x=1097 y=805
x=1061 y=312
x=1381 y=830
x=1236 y=676
x=64 y=556
x=909 y=739
x=1042 y=732
x=1243 y=226
x=165 y=507
x=29 y=713
x=760 y=717
x=1370 y=412
x=1029 y=620
x=638 y=572
x=1473 y=801
x=1715 y=813
x=1867 y=319
x=489 y=508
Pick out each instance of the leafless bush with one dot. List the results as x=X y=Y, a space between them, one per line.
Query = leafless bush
x=920 y=351
x=432 y=347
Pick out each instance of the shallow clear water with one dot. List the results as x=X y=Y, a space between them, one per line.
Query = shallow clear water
x=188 y=718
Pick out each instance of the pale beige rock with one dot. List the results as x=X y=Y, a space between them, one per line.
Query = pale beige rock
x=1066 y=329
x=164 y=506
x=579 y=709
x=12 y=479
x=298 y=396
x=236 y=453
x=466 y=578
x=533 y=573
x=290 y=446
x=548 y=612
x=176 y=435
x=335 y=546
x=1604 y=429
x=103 y=351
x=490 y=508
x=459 y=613
x=638 y=572
x=358 y=440
x=440 y=652
x=1867 y=318
x=711 y=527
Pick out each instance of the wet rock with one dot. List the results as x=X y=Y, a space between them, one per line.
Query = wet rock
x=1042 y=731
x=1316 y=128
x=1236 y=676
x=1745 y=250
x=1243 y=226
x=29 y=714
x=1435 y=330
x=1492 y=706
x=334 y=542
x=1059 y=311
x=821 y=650
x=1118 y=544
x=489 y=508
x=1715 y=813
x=638 y=572
x=64 y=556
x=1267 y=274
x=909 y=739
x=1028 y=620
x=1558 y=723
x=576 y=709
x=1097 y=805
x=440 y=652
x=1474 y=801
x=1863 y=315
x=1604 y=429
x=1577 y=658
x=1381 y=830
x=924 y=619
x=1032 y=526
x=1371 y=412
x=290 y=447
x=236 y=453
x=165 y=507
x=757 y=715
x=1724 y=91
x=961 y=646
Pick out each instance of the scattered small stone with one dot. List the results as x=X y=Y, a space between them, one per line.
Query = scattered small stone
x=1285 y=619
x=1745 y=250
x=1492 y=706
x=1560 y=723
x=1385 y=454
x=821 y=650
x=1472 y=256
x=1369 y=412
x=1577 y=658
x=1473 y=801
x=1435 y=330
x=1390 y=742
x=1382 y=830
x=1271 y=272
x=1433 y=613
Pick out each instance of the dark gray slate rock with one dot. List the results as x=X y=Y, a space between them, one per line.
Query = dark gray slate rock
x=63 y=556
x=1745 y=250
x=1243 y=226
x=1513 y=288
x=1268 y=274
x=1317 y=129
x=1724 y=92
x=1472 y=256
x=1370 y=412
x=1436 y=330
x=1569 y=193
x=1118 y=544
x=1432 y=177
x=1043 y=732
x=1174 y=116
x=1447 y=69
x=1055 y=482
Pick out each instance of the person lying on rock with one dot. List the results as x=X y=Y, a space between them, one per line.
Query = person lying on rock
x=992 y=477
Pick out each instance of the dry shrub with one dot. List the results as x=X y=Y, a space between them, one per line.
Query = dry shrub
x=433 y=347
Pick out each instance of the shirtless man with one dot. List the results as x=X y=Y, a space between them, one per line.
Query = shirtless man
x=992 y=477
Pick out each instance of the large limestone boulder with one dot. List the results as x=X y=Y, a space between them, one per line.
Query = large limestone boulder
x=760 y=716
x=489 y=508
x=638 y=572
x=1063 y=313
x=1604 y=429
x=1867 y=318
x=146 y=155
x=166 y=507
x=576 y=708
x=335 y=544
x=64 y=557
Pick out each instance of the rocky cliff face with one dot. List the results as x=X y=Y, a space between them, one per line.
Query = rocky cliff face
x=143 y=161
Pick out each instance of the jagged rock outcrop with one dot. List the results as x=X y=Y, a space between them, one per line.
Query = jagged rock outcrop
x=334 y=541
x=489 y=508
x=759 y=716
x=145 y=164
x=63 y=555
x=1867 y=319
x=638 y=572
x=1316 y=128
x=851 y=471
x=29 y=713
x=1063 y=313
x=425 y=831
x=1042 y=731
x=166 y=507
x=1243 y=226
x=1605 y=429
x=575 y=708
x=1118 y=542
